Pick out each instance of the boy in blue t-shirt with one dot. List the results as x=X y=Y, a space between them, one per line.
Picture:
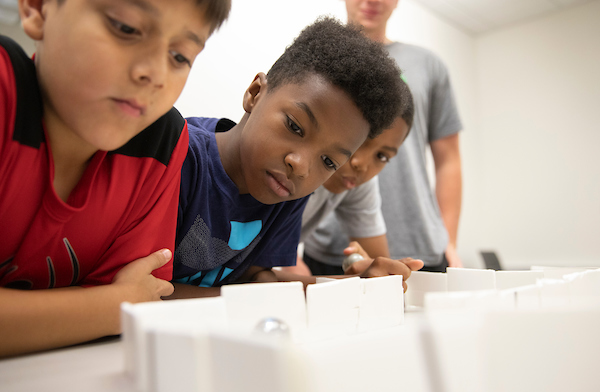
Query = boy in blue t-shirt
x=243 y=191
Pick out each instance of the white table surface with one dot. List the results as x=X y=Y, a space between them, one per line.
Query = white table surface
x=92 y=367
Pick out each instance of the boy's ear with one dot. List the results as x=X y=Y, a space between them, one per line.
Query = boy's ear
x=32 y=18
x=257 y=89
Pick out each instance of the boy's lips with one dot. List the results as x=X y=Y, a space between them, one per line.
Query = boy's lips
x=280 y=184
x=349 y=182
x=130 y=107
x=370 y=13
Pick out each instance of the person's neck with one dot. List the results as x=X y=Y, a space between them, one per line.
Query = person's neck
x=228 y=144
x=70 y=155
x=378 y=36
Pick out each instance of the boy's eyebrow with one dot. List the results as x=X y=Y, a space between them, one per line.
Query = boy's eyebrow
x=344 y=151
x=392 y=149
x=151 y=9
x=144 y=6
x=309 y=113
x=195 y=38
x=314 y=121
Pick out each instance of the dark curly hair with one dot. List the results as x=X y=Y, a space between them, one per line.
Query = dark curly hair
x=407 y=110
x=345 y=57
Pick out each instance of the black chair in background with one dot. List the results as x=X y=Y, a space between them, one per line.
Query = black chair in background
x=490 y=260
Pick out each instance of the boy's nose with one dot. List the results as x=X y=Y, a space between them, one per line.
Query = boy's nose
x=358 y=163
x=151 y=67
x=298 y=164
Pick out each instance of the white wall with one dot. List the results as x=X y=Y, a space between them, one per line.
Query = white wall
x=539 y=89
x=255 y=35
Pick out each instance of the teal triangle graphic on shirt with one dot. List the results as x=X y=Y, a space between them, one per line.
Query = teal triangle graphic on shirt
x=209 y=278
x=226 y=271
x=243 y=233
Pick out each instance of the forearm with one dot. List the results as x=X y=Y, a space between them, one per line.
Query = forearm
x=449 y=196
x=448 y=182
x=44 y=319
x=183 y=291
x=374 y=246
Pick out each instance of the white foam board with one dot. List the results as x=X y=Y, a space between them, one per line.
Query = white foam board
x=462 y=300
x=421 y=282
x=381 y=303
x=559 y=272
x=250 y=363
x=553 y=293
x=584 y=287
x=546 y=350
x=248 y=304
x=527 y=297
x=181 y=360
x=466 y=279
x=512 y=279
x=138 y=319
x=333 y=307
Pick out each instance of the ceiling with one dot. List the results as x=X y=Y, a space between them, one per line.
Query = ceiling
x=481 y=16
x=473 y=16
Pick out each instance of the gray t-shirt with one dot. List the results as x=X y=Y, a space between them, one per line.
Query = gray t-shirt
x=358 y=210
x=414 y=224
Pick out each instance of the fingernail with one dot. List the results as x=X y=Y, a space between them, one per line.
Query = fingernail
x=167 y=253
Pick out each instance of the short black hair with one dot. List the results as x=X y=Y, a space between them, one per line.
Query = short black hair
x=407 y=109
x=345 y=57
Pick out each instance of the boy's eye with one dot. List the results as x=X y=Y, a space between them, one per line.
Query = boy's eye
x=328 y=163
x=383 y=158
x=293 y=127
x=122 y=28
x=181 y=59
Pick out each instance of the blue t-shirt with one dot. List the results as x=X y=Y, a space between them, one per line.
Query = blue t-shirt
x=220 y=233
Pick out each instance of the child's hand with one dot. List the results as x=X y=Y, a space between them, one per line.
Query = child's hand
x=382 y=266
x=138 y=282
x=359 y=266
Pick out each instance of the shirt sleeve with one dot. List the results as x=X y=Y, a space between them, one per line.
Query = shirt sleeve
x=360 y=213
x=444 y=119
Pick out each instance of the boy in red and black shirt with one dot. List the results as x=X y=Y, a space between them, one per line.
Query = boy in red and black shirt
x=90 y=157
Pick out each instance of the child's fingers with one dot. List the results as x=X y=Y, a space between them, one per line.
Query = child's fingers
x=157 y=259
x=352 y=248
x=165 y=288
x=413 y=264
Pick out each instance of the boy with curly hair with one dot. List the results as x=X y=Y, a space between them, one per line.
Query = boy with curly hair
x=244 y=186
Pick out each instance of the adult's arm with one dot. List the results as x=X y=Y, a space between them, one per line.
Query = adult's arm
x=448 y=184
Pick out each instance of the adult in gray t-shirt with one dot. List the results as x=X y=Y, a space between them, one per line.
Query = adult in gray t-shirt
x=418 y=219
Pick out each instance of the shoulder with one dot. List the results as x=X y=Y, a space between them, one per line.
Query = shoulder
x=368 y=189
x=159 y=140
x=409 y=55
x=292 y=207
x=203 y=128
x=412 y=50
x=20 y=93
x=202 y=134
